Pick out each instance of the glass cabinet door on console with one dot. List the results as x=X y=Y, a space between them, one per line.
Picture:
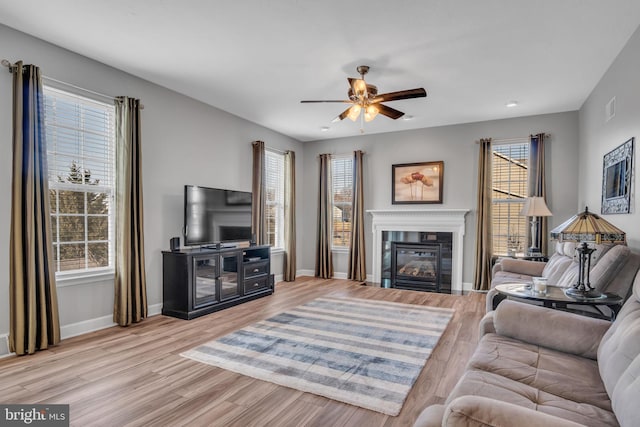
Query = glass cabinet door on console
x=229 y=275
x=205 y=271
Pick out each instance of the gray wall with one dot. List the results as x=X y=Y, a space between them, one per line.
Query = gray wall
x=598 y=137
x=184 y=142
x=456 y=146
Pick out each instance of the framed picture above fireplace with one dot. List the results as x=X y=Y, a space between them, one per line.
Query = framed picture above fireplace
x=417 y=183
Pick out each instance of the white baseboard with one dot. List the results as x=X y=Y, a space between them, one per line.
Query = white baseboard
x=79 y=328
x=305 y=273
x=92 y=325
x=336 y=275
x=86 y=326
x=154 y=310
x=467 y=286
x=4 y=346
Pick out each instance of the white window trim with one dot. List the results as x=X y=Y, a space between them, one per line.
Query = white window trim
x=334 y=248
x=98 y=274
x=512 y=201
x=280 y=224
x=74 y=278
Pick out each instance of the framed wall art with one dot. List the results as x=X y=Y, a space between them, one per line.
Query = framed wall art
x=617 y=170
x=416 y=183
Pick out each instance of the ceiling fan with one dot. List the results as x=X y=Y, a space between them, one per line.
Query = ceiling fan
x=364 y=99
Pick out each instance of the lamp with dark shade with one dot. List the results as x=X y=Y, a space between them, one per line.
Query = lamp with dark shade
x=582 y=228
x=535 y=207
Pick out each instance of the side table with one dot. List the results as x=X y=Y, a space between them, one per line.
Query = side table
x=556 y=298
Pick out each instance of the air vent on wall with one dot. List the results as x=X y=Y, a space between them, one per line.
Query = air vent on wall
x=610 y=109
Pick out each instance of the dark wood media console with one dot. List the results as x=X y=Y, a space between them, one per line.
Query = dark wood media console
x=196 y=282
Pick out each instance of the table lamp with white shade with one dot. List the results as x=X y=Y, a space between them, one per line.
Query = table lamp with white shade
x=535 y=207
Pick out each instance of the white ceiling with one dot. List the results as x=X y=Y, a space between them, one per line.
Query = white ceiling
x=258 y=58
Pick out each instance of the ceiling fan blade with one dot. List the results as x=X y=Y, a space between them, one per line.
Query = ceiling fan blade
x=403 y=94
x=344 y=101
x=342 y=115
x=392 y=113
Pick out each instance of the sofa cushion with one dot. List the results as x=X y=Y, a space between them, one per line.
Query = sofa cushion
x=619 y=360
x=610 y=261
x=555 y=268
x=601 y=249
x=569 y=277
x=488 y=384
x=566 y=376
x=608 y=265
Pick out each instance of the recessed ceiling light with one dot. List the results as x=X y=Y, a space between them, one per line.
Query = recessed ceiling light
x=511 y=104
x=407 y=118
x=324 y=129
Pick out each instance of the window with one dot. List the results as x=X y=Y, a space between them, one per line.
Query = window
x=80 y=135
x=510 y=188
x=342 y=196
x=274 y=186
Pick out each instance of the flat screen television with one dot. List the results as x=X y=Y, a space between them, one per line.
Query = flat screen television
x=214 y=215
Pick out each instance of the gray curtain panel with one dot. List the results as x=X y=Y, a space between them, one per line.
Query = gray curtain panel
x=130 y=302
x=484 y=231
x=357 y=256
x=258 y=196
x=538 y=187
x=34 y=323
x=324 y=260
x=289 y=273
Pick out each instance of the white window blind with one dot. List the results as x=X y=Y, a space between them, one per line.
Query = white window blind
x=80 y=134
x=342 y=196
x=510 y=188
x=274 y=187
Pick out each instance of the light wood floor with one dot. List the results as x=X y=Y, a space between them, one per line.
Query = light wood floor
x=135 y=376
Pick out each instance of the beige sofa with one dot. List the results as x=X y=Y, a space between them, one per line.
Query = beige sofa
x=612 y=270
x=535 y=366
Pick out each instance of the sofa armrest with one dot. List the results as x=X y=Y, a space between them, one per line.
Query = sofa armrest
x=486 y=325
x=431 y=416
x=522 y=266
x=554 y=329
x=496 y=267
x=483 y=411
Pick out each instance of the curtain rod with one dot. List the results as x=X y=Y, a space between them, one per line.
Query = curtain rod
x=60 y=82
x=277 y=150
x=8 y=64
x=342 y=154
x=516 y=139
x=11 y=66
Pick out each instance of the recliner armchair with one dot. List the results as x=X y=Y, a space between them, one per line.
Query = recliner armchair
x=613 y=268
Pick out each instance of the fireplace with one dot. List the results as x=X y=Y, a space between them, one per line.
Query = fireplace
x=419 y=261
x=443 y=228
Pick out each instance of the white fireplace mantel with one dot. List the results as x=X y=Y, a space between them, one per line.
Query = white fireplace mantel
x=424 y=220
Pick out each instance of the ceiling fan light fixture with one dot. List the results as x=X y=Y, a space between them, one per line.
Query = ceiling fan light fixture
x=370 y=113
x=354 y=112
x=366 y=104
x=360 y=87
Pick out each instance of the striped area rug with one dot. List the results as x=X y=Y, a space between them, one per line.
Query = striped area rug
x=363 y=352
